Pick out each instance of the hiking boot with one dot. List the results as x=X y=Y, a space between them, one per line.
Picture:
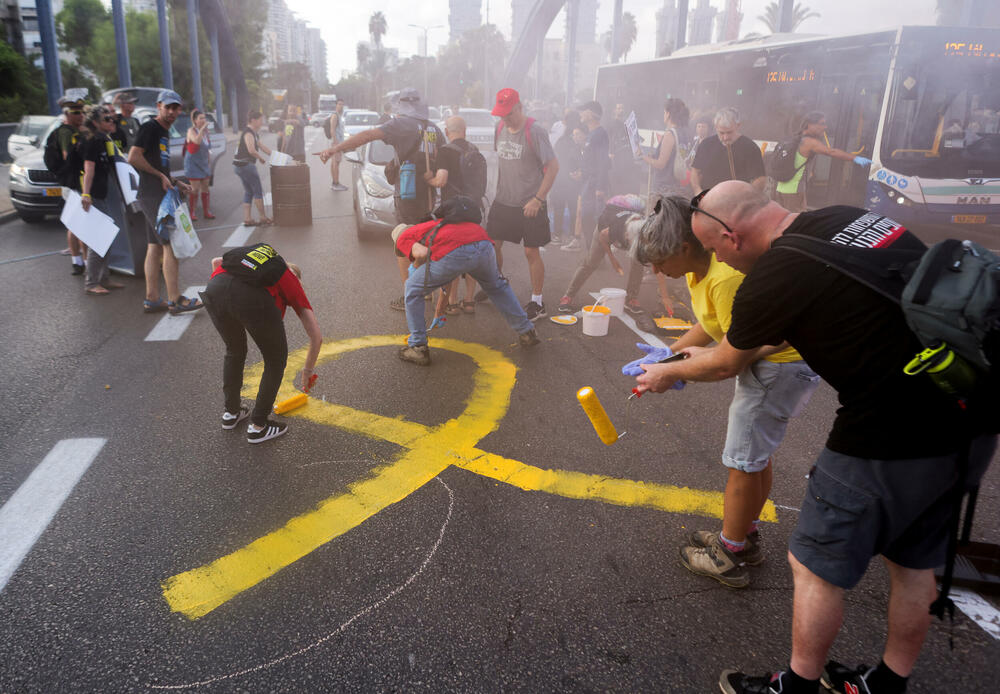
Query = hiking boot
x=634 y=308
x=231 y=419
x=528 y=339
x=566 y=305
x=715 y=561
x=271 y=430
x=534 y=311
x=841 y=680
x=417 y=354
x=753 y=555
x=573 y=245
x=398 y=304
x=733 y=682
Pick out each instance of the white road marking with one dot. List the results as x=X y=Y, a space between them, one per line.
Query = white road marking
x=29 y=511
x=629 y=322
x=172 y=327
x=372 y=607
x=978 y=610
x=238 y=237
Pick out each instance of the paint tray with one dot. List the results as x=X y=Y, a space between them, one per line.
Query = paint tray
x=667 y=323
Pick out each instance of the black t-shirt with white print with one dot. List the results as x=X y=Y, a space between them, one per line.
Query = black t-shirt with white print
x=853 y=337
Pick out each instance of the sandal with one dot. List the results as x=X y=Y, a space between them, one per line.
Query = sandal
x=453 y=309
x=111 y=284
x=469 y=306
x=97 y=291
x=154 y=306
x=183 y=305
x=251 y=223
x=266 y=222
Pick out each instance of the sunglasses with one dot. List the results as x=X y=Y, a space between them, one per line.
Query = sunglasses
x=74 y=113
x=695 y=207
x=108 y=119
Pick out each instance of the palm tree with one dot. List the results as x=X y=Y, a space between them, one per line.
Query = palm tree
x=364 y=56
x=772 y=16
x=627 y=33
x=377 y=27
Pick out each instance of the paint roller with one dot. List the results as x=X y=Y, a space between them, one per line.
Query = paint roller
x=289 y=404
x=599 y=418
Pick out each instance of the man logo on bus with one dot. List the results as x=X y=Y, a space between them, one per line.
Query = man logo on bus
x=973 y=200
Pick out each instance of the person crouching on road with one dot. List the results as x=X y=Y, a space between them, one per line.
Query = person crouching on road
x=441 y=250
x=248 y=292
x=98 y=152
x=774 y=387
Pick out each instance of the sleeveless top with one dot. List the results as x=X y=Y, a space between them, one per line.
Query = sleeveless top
x=663 y=179
x=243 y=156
x=791 y=186
x=198 y=163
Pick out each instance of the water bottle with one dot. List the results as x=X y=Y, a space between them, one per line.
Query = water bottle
x=951 y=373
x=407 y=181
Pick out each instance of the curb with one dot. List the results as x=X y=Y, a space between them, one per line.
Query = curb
x=8 y=216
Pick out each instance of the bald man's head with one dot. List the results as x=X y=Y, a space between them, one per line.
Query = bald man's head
x=454 y=127
x=738 y=224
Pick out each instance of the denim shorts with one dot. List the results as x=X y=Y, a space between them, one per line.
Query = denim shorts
x=856 y=508
x=768 y=394
x=252 y=189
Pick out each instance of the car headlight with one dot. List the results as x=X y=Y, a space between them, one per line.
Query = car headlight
x=375 y=187
x=18 y=171
x=897 y=197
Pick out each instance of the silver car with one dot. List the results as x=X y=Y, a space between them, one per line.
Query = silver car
x=374 y=197
x=356 y=120
x=31 y=133
x=34 y=190
x=480 y=126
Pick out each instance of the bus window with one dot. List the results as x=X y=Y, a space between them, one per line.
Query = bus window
x=944 y=123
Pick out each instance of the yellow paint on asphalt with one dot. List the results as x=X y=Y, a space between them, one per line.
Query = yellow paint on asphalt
x=430 y=450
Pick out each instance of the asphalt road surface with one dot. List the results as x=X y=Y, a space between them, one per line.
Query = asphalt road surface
x=371 y=549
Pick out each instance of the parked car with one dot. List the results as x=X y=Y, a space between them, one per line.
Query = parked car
x=34 y=190
x=374 y=202
x=29 y=134
x=316 y=119
x=276 y=120
x=480 y=126
x=356 y=120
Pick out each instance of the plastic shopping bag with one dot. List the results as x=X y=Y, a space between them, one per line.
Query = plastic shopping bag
x=183 y=238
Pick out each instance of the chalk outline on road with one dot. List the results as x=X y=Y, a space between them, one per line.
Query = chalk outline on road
x=431 y=450
x=362 y=613
x=30 y=509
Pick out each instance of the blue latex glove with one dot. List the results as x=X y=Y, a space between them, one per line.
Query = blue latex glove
x=437 y=323
x=653 y=355
x=862 y=161
x=410 y=270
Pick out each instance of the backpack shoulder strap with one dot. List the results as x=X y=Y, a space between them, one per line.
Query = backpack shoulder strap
x=496 y=134
x=528 y=122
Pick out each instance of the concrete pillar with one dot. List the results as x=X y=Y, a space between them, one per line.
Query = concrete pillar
x=192 y=13
x=121 y=44
x=572 y=19
x=50 y=56
x=616 y=30
x=682 y=23
x=165 y=61
x=786 y=14
x=216 y=73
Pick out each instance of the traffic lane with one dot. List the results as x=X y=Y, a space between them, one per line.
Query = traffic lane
x=361 y=380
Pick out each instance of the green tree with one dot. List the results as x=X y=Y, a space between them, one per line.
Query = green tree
x=22 y=89
x=75 y=76
x=377 y=27
x=628 y=31
x=77 y=23
x=772 y=16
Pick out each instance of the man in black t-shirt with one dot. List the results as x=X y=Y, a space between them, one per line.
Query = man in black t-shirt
x=150 y=155
x=727 y=156
x=885 y=482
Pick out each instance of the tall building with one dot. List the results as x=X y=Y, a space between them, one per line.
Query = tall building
x=700 y=23
x=729 y=22
x=666 y=28
x=277 y=39
x=21 y=27
x=316 y=58
x=462 y=16
x=586 y=22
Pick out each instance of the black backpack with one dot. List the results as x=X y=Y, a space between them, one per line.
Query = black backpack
x=472 y=164
x=326 y=127
x=781 y=162
x=258 y=265
x=67 y=170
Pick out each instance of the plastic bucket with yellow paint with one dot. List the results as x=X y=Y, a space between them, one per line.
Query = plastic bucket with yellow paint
x=596 y=320
x=614 y=299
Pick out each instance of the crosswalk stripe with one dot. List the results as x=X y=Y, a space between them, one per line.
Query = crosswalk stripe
x=238 y=237
x=630 y=323
x=172 y=327
x=32 y=507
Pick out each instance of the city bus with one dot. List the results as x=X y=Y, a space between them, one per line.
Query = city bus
x=326 y=103
x=923 y=103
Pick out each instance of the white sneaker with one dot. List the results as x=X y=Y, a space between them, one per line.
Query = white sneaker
x=573 y=245
x=271 y=430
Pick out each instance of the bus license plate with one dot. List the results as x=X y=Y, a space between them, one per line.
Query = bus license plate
x=968 y=219
x=53 y=192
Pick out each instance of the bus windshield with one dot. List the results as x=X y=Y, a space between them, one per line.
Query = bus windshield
x=944 y=121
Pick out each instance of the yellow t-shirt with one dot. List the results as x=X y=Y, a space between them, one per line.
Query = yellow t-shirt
x=712 y=302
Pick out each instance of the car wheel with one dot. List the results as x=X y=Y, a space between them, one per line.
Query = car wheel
x=359 y=224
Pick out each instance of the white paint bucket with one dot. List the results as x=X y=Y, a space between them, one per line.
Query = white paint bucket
x=596 y=320
x=614 y=299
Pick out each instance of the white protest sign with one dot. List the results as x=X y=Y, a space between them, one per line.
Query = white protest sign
x=93 y=227
x=128 y=180
x=279 y=158
x=632 y=129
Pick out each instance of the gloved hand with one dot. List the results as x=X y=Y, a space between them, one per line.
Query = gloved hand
x=653 y=355
x=862 y=161
x=437 y=323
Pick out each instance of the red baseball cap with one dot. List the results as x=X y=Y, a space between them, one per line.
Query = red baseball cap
x=507 y=99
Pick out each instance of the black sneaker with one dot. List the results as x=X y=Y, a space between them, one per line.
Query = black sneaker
x=418 y=354
x=841 y=680
x=271 y=430
x=528 y=339
x=534 y=311
x=733 y=682
x=78 y=269
x=230 y=420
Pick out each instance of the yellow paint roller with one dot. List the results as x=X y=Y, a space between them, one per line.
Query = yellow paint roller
x=598 y=417
x=291 y=403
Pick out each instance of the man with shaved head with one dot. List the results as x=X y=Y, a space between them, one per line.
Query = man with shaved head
x=885 y=482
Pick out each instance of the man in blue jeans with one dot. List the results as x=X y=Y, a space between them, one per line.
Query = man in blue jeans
x=441 y=251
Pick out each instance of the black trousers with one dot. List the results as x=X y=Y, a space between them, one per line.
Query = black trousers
x=237 y=308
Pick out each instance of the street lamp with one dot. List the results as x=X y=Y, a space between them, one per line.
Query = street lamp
x=425 y=30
